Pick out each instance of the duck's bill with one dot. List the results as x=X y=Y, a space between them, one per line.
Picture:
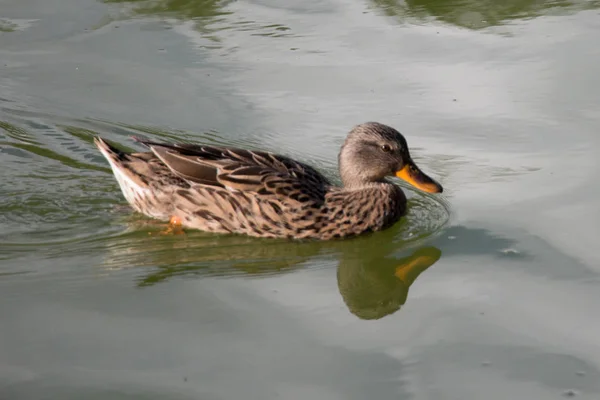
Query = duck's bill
x=413 y=175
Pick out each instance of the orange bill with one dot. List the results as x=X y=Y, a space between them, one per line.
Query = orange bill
x=413 y=175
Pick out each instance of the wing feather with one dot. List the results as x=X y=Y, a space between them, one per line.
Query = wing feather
x=237 y=169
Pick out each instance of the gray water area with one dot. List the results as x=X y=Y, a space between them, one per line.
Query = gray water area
x=489 y=291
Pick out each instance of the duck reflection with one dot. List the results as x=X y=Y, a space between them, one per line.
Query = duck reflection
x=372 y=280
x=375 y=289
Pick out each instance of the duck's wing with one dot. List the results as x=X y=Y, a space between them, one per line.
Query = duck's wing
x=237 y=169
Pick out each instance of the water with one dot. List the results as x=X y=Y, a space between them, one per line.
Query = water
x=489 y=291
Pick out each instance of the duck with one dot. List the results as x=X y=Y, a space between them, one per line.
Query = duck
x=228 y=190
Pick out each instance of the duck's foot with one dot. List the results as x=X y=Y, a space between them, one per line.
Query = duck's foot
x=174 y=228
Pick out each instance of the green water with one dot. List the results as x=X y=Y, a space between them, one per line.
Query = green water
x=490 y=291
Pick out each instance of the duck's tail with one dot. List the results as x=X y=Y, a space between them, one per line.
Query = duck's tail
x=127 y=169
x=110 y=152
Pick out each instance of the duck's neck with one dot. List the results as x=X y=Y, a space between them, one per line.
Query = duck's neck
x=350 y=184
x=356 y=178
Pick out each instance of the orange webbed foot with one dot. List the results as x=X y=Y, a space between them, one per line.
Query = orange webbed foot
x=175 y=227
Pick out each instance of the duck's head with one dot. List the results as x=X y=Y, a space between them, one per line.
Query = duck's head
x=374 y=151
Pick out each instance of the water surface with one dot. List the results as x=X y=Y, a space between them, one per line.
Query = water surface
x=489 y=291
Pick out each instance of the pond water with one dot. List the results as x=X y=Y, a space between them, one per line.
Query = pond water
x=489 y=291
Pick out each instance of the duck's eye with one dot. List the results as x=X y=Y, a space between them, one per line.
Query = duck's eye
x=386 y=148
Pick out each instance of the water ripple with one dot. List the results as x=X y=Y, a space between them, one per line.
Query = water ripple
x=61 y=204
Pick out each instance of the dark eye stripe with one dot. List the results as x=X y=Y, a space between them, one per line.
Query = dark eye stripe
x=379 y=145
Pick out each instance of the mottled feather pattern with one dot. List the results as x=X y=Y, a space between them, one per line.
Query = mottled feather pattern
x=256 y=193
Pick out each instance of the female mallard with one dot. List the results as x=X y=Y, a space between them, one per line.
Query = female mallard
x=227 y=190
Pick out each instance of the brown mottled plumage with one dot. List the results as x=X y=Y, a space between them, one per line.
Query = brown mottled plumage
x=227 y=190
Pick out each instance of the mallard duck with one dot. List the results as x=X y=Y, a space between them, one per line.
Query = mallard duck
x=257 y=193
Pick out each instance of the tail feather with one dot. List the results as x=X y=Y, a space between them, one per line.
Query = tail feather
x=111 y=153
x=123 y=167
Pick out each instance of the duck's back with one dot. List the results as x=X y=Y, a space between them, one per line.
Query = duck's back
x=217 y=189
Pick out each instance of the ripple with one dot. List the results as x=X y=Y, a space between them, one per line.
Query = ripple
x=210 y=18
x=477 y=15
x=203 y=254
x=13 y=25
x=61 y=207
